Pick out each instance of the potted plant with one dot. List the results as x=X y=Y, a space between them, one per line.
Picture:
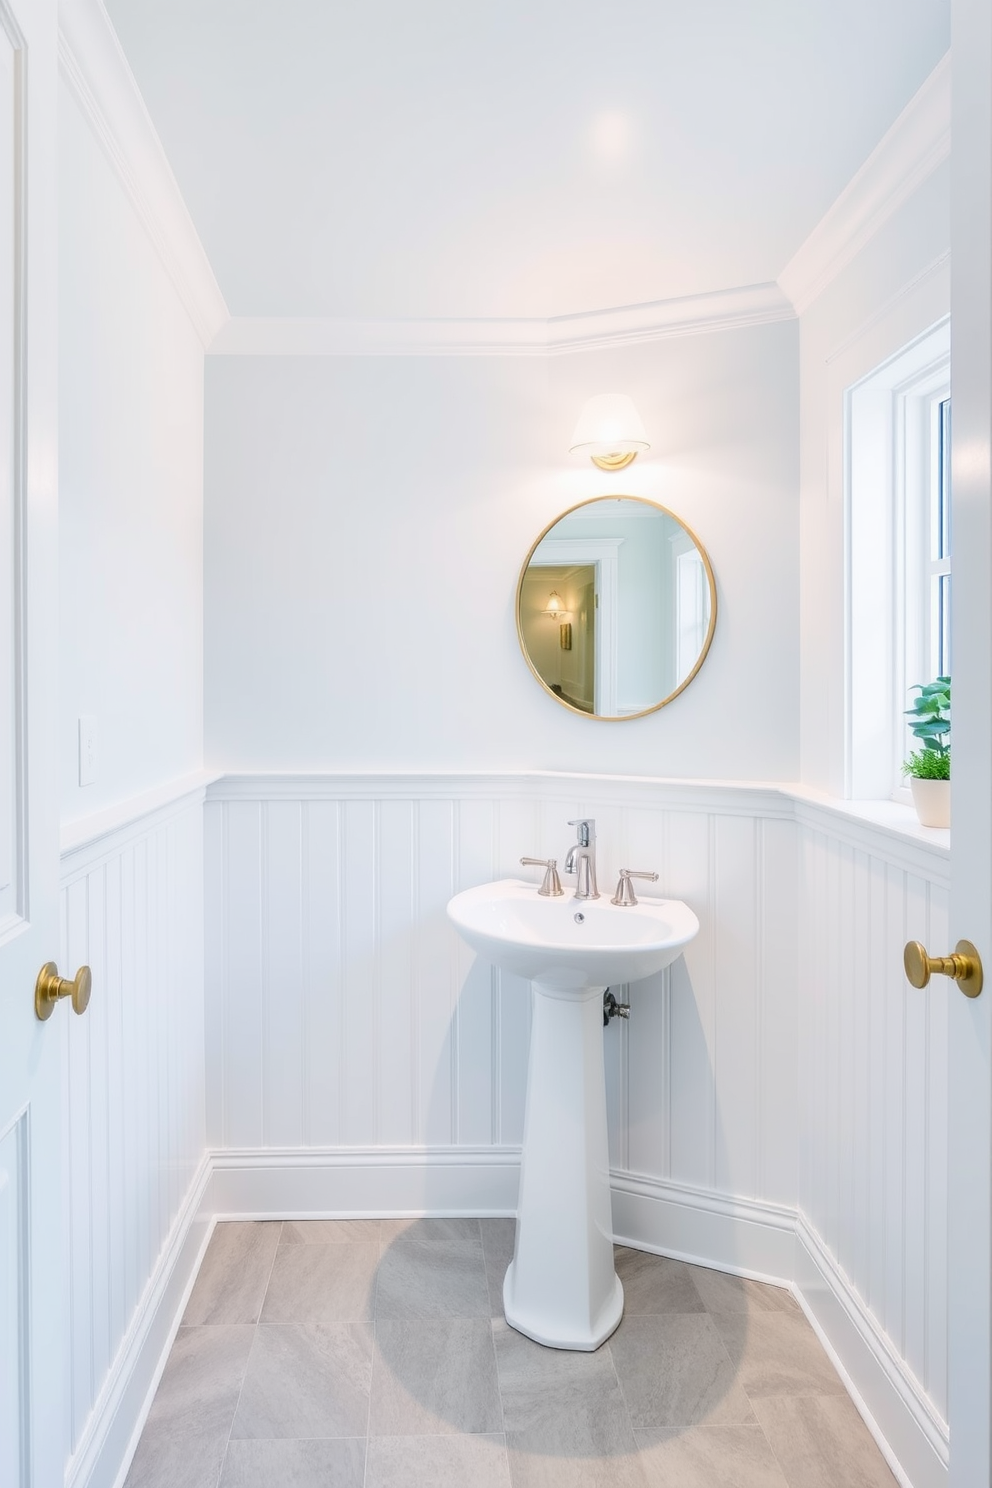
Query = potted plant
x=929 y=768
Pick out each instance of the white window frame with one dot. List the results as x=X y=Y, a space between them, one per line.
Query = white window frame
x=888 y=438
x=916 y=661
x=691 y=602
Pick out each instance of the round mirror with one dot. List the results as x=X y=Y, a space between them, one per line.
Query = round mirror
x=616 y=607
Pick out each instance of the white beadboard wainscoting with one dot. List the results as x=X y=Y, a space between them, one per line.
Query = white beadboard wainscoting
x=777 y=1101
x=346 y=1013
x=873 y=1075
x=136 y=1167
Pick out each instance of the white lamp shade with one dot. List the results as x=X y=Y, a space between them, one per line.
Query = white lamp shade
x=609 y=426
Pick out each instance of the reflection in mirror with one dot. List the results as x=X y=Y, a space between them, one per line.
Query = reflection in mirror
x=616 y=607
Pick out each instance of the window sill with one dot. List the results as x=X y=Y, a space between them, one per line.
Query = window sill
x=891 y=817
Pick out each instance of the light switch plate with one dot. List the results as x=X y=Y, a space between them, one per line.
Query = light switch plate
x=87 y=749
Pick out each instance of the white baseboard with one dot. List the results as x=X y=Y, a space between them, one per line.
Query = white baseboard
x=763 y=1241
x=740 y=1236
x=358 y=1183
x=911 y=1436
x=736 y=1235
x=109 y=1437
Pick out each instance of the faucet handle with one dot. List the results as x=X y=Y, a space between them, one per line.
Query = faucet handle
x=551 y=887
x=625 y=890
x=587 y=830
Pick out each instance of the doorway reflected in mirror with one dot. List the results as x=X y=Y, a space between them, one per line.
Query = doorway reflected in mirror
x=633 y=588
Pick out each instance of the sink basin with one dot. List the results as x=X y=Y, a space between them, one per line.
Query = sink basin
x=561 y=1288
x=571 y=944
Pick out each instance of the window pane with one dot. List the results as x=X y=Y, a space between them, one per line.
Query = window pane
x=944 y=483
x=944 y=657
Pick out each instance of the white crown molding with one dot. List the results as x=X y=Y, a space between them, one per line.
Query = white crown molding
x=729 y=309
x=918 y=141
x=692 y=315
x=95 y=68
x=314 y=336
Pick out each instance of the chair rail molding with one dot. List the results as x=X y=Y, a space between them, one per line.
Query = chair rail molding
x=82 y=837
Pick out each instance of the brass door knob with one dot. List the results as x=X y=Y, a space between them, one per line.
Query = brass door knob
x=965 y=966
x=50 y=988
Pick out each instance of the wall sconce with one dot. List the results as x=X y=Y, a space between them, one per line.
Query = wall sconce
x=609 y=431
x=555 y=607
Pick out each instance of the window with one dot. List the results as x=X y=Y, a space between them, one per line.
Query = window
x=899 y=554
x=926 y=524
x=940 y=543
x=692 y=606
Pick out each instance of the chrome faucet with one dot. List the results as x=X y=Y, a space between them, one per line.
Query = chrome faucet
x=581 y=859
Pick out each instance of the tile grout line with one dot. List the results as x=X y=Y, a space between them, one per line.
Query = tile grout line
x=237 y=1403
x=616 y=1373
x=499 y=1385
x=778 y=1395
x=623 y=1395
x=375 y=1349
x=789 y=1481
x=831 y=1428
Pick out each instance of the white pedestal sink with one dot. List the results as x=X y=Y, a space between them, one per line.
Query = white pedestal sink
x=561 y=1288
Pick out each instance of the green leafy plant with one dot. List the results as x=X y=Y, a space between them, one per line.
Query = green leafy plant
x=930 y=721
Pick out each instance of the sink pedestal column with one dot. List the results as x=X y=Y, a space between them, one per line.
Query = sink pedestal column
x=561 y=1288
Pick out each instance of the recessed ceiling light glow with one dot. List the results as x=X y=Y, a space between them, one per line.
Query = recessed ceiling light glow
x=611 y=135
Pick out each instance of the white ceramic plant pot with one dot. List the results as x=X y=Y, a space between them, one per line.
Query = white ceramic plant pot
x=932 y=799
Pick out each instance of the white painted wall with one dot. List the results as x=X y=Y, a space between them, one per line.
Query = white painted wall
x=129 y=592
x=894 y=289
x=366 y=519
x=130 y=489
x=872 y=1260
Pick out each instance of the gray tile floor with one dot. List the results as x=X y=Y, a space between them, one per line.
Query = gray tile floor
x=374 y=1354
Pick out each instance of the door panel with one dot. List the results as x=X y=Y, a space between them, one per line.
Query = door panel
x=969 y=1167
x=13 y=1292
x=12 y=782
x=32 y=1264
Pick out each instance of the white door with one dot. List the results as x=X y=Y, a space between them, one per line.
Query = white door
x=32 y=1263
x=970 y=1144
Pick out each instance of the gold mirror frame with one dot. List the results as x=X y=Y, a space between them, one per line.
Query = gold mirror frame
x=704 y=650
